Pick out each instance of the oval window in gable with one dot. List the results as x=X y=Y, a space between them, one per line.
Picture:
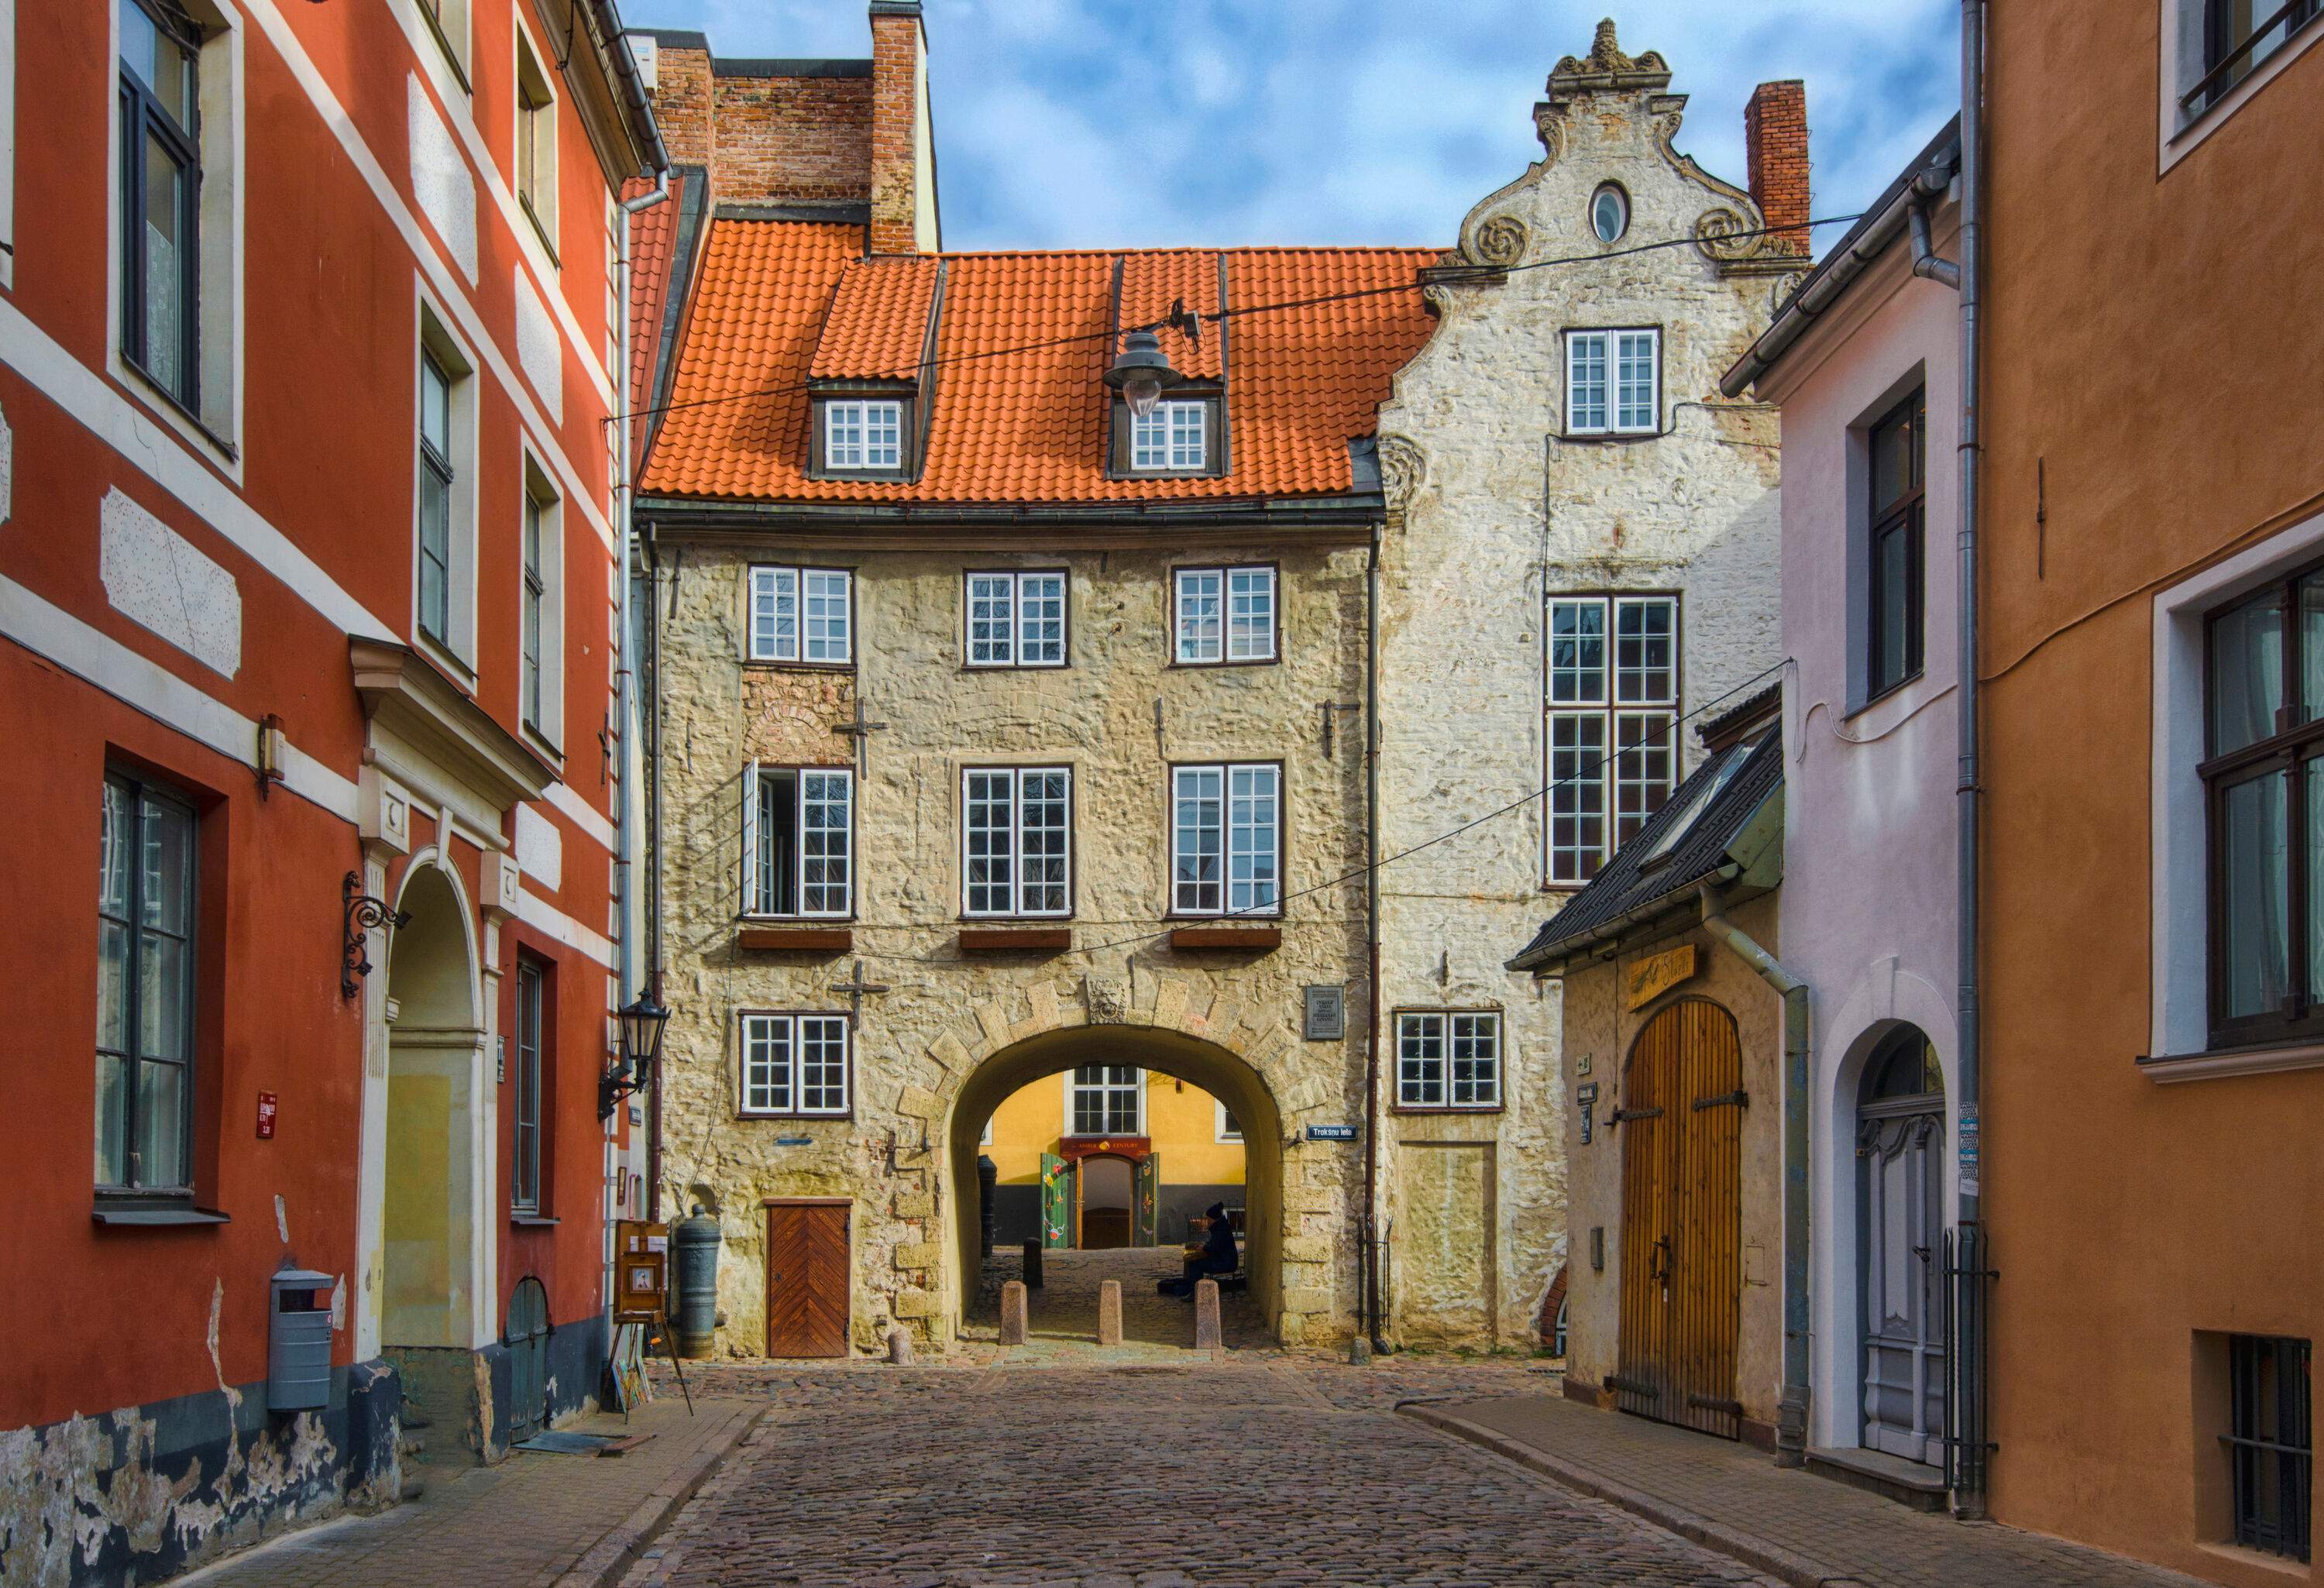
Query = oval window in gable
x=1610 y=213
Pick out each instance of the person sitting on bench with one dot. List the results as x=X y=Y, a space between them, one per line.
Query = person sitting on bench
x=1218 y=1255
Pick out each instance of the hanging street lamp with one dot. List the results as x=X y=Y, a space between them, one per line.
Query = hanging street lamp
x=1141 y=371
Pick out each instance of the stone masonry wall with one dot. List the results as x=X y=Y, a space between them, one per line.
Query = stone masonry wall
x=1118 y=713
x=1489 y=510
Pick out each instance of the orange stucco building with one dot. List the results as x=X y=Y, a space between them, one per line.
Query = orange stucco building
x=2154 y=868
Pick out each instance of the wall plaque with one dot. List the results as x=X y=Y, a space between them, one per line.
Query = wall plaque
x=1327 y=1014
x=1649 y=978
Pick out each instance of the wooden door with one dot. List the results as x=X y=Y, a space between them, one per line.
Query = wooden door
x=527 y=1345
x=807 y=1279
x=1681 y=1118
x=1056 y=1202
x=1900 y=1208
x=1147 y=1201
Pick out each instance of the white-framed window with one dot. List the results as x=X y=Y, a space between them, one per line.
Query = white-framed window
x=541 y=623
x=1228 y=1130
x=536 y=142
x=1611 y=673
x=801 y=615
x=1105 y=1099
x=448 y=21
x=1223 y=615
x=2218 y=54
x=1015 y=620
x=1226 y=839
x=1174 y=439
x=145 y=988
x=1016 y=841
x=524 y=1172
x=799 y=842
x=1448 y=1058
x=1613 y=385
x=176 y=176
x=796 y=1064
x=863 y=433
x=444 y=467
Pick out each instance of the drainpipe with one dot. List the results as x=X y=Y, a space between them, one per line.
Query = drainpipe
x=1970 y=1444
x=1369 y=1300
x=1791 y=1416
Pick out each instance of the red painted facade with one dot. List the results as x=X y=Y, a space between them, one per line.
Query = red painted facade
x=301 y=511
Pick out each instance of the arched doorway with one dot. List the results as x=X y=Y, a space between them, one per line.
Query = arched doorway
x=1245 y=1097
x=1681 y=1118
x=1108 y=1185
x=1900 y=1153
x=438 y=1174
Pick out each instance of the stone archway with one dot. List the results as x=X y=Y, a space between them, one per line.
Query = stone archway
x=1247 y=1060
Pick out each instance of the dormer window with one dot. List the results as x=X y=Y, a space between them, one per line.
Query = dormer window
x=863 y=436
x=1174 y=439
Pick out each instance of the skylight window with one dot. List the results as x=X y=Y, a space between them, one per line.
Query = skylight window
x=1697 y=804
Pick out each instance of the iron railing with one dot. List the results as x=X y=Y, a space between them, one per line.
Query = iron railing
x=1968 y=1446
x=2231 y=67
x=2268 y=1442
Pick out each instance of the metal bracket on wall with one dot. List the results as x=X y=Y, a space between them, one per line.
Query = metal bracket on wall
x=364 y=914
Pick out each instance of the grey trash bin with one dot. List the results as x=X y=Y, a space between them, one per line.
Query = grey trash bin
x=298 y=1340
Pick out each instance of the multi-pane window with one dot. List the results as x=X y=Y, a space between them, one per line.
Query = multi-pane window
x=524 y=1171
x=1175 y=437
x=1613 y=383
x=1226 y=840
x=797 y=841
x=1107 y=1100
x=144 y=988
x=536 y=589
x=434 y=499
x=2264 y=781
x=864 y=433
x=1612 y=675
x=161 y=195
x=536 y=142
x=1894 y=590
x=1229 y=1131
x=1016 y=841
x=2268 y=1444
x=1016 y=620
x=1223 y=615
x=1448 y=1058
x=794 y=1063
x=802 y=614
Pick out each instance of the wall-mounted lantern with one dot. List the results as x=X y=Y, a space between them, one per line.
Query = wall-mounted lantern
x=641 y=1023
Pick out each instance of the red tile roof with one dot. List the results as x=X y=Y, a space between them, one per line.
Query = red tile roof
x=780 y=301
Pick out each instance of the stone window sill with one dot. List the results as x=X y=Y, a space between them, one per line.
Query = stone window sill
x=2220 y=1064
x=132 y=1215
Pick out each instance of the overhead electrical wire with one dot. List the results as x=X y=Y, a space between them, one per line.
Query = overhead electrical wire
x=1479 y=272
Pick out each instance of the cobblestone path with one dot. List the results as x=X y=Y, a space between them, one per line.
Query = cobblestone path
x=1062 y=1315
x=1269 y=1470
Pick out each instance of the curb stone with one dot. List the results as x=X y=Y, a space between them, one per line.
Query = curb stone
x=612 y=1554
x=1787 y=1566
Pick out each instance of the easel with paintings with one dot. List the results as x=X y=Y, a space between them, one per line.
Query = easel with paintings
x=640 y=1291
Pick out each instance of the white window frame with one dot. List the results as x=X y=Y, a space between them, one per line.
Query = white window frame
x=776 y=596
x=535 y=128
x=778 y=1070
x=2179 y=33
x=540 y=493
x=1613 y=382
x=1611 y=752
x=1074 y=1087
x=1221 y=1119
x=983 y=788
x=1448 y=1029
x=864 y=419
x=449 y=22
x=762 y=896
x=1210 y=609
x=457 y=648
x=1174 y=439
x=215 y=428
x=999 y=620
x=1186 y=896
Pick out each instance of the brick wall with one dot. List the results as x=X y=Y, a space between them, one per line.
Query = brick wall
x=1775 y=136
x=895 y=129
x=803 y=140
x=681 y=98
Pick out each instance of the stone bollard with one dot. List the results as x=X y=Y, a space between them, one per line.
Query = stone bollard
x=1359 y=1349
x=1206 y=1314
x=900 y=1346
x=1033 y=1264
x=1109 y=1313
x=1012 y=1313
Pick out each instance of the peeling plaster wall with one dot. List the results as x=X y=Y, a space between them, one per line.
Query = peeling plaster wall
x=1489 y=510
x=918 y=1045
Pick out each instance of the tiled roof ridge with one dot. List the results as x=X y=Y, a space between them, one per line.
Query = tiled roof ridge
x=1367 y=249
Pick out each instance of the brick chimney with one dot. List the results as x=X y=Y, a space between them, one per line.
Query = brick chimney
x=899 y=135
x=1776 y=134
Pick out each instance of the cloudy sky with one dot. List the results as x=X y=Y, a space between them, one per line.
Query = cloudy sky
x=1120 y=123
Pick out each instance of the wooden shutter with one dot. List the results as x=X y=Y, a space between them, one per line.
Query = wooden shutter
x=1056 y=1202
x=749 y=895
x=1148 y=1197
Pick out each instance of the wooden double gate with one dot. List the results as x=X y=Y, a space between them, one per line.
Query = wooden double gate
x=1682 y=1123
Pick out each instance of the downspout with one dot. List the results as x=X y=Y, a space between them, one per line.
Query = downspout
x=1971 y=1446
x=1369 y=1300
x=1791 y=1415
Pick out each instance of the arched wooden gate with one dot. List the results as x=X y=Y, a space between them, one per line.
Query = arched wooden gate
x=1681 y=1118
x=528 y=1346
